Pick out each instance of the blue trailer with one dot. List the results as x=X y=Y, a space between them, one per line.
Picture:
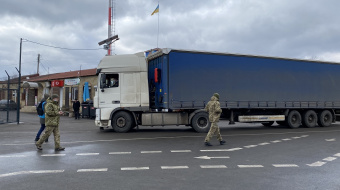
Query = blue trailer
x=252 y=88
x=248 y=85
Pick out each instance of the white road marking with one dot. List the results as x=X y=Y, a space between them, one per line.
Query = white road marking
x=213 y=166
x=87 y=154
x=180 y=150
x=208 y=158
x=120 y=153
x=316 y=164
x=173 y=167
x=134 y=168
x=46 y=155
x=338 y=154
x=15 y=123
x=330 y=140
x=250 y=146
x=277 y=141
x=93 y=170
x=32 y=172
x=285 y=165
x=216 y=150
x=286 y=139
x=13 y=156
x=265 y=143
x=175 y=137
x=234 y=149
x=150 y=152
x=250 y=166
x=304 y=135
x=329 y=159
x=296 y=137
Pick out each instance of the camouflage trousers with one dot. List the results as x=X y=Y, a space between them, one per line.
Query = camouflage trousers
x=48 y=131
x=214 y=129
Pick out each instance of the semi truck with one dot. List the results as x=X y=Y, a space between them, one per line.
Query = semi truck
x=172 y=87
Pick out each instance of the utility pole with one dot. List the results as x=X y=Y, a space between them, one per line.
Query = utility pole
x=8 y=83
x=19 y=81
x=109 y=31
x=38 y=63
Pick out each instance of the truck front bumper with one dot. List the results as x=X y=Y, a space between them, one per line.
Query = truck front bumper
x=101 y=123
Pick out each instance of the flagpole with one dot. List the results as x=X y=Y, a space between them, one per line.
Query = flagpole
x=158 y=25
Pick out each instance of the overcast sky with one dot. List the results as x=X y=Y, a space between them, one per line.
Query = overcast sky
x=284 y=28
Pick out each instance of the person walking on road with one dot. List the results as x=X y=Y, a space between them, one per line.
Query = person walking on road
x=76 y=106
x=41 y=114
x=214 y=109
x=52 y=117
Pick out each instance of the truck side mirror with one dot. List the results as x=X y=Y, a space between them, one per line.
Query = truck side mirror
x=102 y=82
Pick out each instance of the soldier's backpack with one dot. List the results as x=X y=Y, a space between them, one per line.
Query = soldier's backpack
x=40 y=110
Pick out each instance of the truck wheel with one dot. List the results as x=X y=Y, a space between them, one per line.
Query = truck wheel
x=268 y=124
x=325 y=118
x=200 y=122
x=310 y=119
x=294 y=119
x=122 y=122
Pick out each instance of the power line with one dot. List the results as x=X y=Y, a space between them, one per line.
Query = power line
x=26 y=40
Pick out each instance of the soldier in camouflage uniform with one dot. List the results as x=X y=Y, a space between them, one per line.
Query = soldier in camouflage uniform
x=52 y=116
x=214 y=110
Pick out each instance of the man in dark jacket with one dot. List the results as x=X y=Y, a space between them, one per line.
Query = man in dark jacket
x=52 y=113
x=42 y=118
x=76 y=106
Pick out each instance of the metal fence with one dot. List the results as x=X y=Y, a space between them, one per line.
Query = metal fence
x=8 y=106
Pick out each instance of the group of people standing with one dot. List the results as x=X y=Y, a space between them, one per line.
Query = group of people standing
x=49 y=113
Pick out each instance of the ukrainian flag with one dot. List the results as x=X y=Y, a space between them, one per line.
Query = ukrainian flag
x=156 y=10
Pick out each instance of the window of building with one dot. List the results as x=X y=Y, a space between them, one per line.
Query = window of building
x=74 y=93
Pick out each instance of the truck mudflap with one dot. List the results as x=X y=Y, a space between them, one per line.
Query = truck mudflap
x=260 y=118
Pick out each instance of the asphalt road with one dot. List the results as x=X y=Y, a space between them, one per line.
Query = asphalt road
x=255 y=157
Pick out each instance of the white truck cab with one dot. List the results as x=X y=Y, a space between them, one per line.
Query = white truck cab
x=122 y=85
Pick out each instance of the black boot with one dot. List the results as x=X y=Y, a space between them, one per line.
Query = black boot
x=59 y=149
x=38 y=147
x=222 y=142
x=207 y=144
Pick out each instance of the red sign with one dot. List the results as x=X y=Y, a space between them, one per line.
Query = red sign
x=57 y=83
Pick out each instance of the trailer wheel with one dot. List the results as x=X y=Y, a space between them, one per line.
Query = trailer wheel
x=200 y=122
x=310 y=119
x=294 y=119
x=325 y=118
x=268 y=124
x=122 y=122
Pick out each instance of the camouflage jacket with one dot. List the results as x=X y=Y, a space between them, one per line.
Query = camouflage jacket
x=214 y=109
x=51 y=113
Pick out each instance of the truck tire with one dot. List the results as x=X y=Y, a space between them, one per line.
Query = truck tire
x=294 y=119
x=200 y=122
x=325 y=118
x=309 y=119
x=268 y=124
x=122 y=122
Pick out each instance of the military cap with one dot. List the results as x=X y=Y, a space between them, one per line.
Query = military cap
x=217 y=95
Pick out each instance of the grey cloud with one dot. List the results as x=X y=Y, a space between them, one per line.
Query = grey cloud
x=295 y=29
